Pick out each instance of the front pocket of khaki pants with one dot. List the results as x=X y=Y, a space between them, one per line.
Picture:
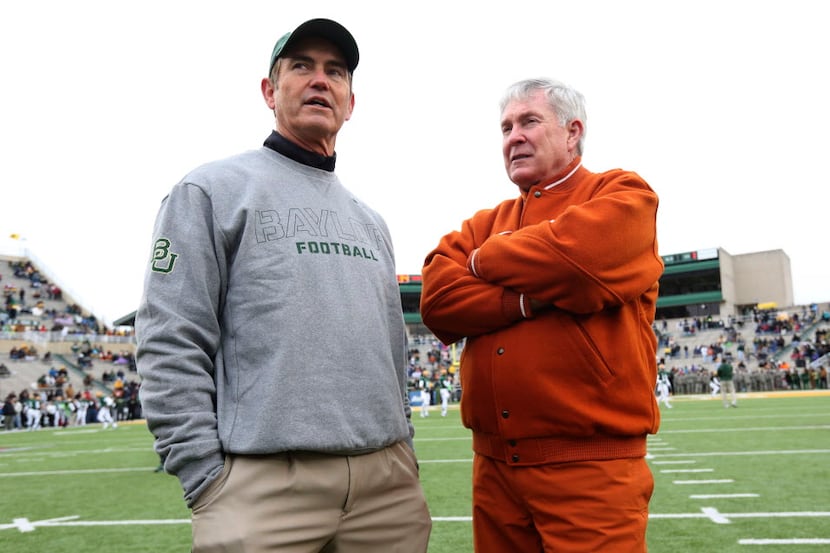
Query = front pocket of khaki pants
x=214 y=488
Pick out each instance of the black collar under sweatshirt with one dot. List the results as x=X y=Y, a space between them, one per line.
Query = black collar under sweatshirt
x=282 y=145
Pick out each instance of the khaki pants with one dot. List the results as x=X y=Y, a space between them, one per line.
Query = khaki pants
x=577 y=507
x=727 y=391
x=302 y=502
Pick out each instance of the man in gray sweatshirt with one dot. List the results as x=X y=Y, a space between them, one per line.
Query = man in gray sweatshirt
x=271 y=341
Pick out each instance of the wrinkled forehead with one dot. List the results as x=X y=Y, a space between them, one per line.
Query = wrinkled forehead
x=527 y=105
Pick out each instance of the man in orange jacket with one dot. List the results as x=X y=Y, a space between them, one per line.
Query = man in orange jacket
x=555 y=293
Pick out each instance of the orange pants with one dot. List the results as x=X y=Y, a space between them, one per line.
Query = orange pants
x=579 y=507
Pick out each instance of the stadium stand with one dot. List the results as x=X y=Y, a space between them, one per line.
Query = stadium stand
x=775 y=350
x=52 y=348
x=44 y=333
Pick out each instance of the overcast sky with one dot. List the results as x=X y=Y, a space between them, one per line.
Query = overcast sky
x=722 y=106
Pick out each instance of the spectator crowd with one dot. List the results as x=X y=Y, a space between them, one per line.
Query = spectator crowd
x=56 y=400
x=776 y=357
x=786 y=351
x=33 y=304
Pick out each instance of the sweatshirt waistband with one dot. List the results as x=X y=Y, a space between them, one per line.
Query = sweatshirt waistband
x=539 y=451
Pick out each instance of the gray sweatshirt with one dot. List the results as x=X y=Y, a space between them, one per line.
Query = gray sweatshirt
x=270 y=320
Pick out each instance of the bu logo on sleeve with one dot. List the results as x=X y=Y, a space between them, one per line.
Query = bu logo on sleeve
x=163 y=258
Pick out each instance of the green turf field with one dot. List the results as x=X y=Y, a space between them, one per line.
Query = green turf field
x=755 y=478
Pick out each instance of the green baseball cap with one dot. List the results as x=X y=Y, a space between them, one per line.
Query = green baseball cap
x=327 y=29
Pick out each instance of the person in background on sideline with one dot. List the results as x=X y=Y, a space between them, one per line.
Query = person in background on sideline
x=254 y=371
x=33 y=412
x=425 y=384
x=445 y=390
x=106 y=413
x=555 y=292
x=714 y=385
x=727 y=384
x=9 y=412
x=663 y=388
x=81 y=409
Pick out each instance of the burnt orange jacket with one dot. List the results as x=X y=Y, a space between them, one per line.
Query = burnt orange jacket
x=575 y=380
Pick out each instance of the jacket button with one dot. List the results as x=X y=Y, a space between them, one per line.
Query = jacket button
x=500 y=351
x=512 y=443
x=537 y=194
x=505 y=414
x=515 y=458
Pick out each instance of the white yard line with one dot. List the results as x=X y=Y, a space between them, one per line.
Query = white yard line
x=75 y=471
x=722 y=495
x=751 y=453
x=752 y=429
x=724 y=481
x=707 y=513
x=787 y=541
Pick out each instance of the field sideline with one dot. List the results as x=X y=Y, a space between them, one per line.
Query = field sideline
x=755 y=478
